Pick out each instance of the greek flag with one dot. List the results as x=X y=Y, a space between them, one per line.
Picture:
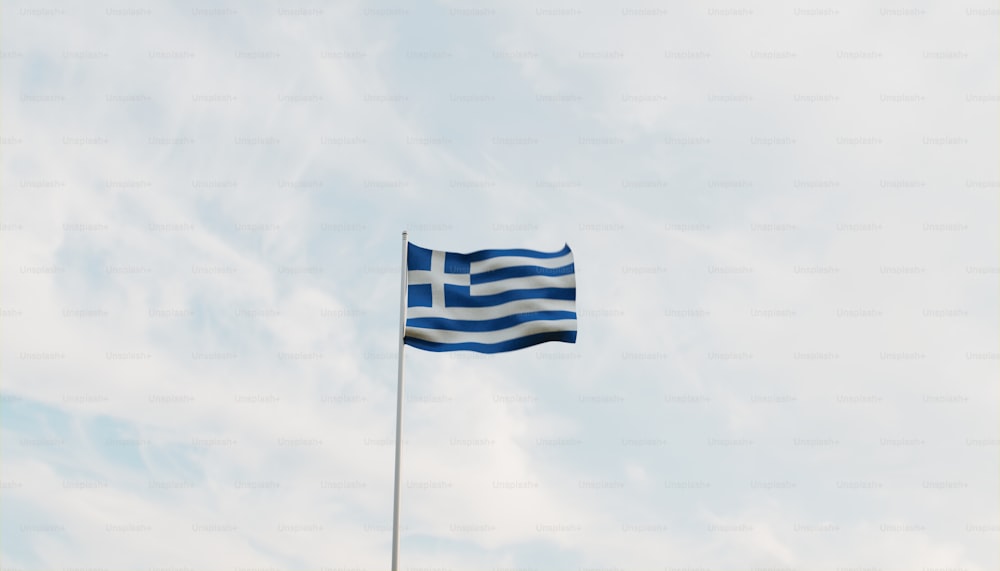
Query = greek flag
x=490 y=301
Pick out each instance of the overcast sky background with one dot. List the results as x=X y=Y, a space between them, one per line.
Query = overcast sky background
x=784 y=220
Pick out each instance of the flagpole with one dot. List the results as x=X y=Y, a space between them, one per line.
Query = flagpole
x=399 y=408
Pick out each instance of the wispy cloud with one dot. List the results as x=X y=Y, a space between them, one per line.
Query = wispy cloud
x=783 y=218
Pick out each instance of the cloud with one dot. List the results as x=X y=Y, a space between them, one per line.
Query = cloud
x=787 y=278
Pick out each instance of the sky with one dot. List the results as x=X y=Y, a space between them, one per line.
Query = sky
x=784 y=222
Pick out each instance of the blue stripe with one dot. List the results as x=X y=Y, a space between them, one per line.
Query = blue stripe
x=487 y=254
x=519 y=272
x=501 y=347
x=463 y=260
x=419 y=258
x=459 y=296
x=487 y=324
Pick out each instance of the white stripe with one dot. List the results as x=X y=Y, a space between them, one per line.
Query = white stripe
x=521 y=330
x=510 y=261
x=481 y=313
x=527 y=282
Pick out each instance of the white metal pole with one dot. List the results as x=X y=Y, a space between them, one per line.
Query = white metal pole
x=399 y=409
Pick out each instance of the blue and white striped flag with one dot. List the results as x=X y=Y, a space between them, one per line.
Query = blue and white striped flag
x=489 y=301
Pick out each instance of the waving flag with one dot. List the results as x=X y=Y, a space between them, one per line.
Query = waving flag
x=489 y=301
